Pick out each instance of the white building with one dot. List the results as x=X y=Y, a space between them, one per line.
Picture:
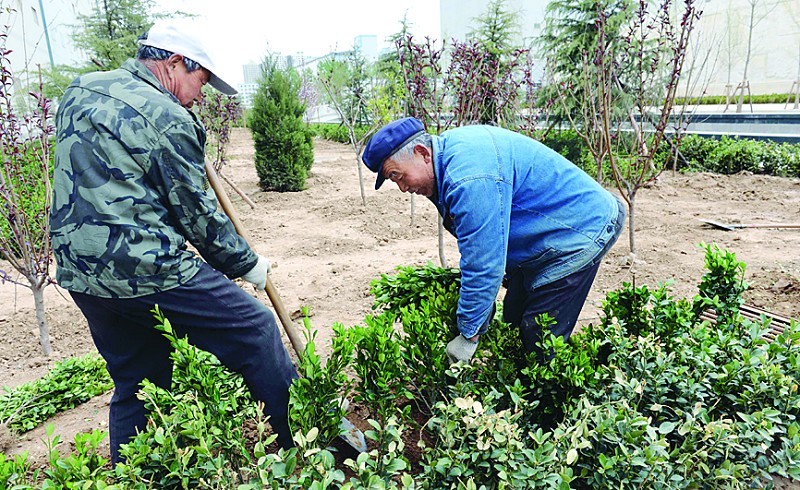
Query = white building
x=367 y=46
x=459 y=17
x=723 y=33
x=721 y=36
x=247 y=91
x=40 y=34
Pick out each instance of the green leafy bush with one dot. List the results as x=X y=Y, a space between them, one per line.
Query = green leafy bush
x=415 y=286
x=70 y=383
x=14 y=471
x=478 y=447
x=721 y=99
x=337 y=132
x=317 y=398
x=379 y=365
x=652 y=397
x=727 y=155
x=195 y=430
x=284 y=148
x=732 y=155
x=721 y=288
x=84 y=467
x=567 y=143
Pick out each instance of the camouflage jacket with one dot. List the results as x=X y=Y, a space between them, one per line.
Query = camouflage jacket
x=130 y=189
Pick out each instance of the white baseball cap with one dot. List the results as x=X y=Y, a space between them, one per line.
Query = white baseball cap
x=182 y=36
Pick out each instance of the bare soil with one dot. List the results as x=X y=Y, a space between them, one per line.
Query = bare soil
x=329 y=246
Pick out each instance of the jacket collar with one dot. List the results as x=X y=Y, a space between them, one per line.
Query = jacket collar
x=140 y=71
x=436 y=159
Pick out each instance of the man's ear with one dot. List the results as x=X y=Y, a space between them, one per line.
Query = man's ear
x=422 y=150
x=174 y=59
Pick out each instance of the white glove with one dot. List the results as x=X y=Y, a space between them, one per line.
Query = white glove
x=461 y=348
x=257 y=276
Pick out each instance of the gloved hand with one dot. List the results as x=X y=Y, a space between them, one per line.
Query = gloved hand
x=461 y=348
x=257 y=276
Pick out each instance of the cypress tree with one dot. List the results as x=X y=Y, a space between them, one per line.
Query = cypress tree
x=284 y=151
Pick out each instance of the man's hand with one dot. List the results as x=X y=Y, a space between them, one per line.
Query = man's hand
x=461 y=348
x=257 y=276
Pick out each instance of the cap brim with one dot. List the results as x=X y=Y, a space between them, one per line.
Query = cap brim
x=220 y=85
x=380 y=180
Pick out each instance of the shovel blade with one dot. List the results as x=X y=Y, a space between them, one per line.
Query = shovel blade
x=352 y=435
x=719 y=225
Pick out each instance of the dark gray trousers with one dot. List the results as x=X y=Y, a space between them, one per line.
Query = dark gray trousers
x=217 y=316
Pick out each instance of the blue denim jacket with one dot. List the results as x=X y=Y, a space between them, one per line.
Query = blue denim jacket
x=512 y=202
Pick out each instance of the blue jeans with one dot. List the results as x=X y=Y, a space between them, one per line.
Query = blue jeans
x=562 y=299
x=218 y=317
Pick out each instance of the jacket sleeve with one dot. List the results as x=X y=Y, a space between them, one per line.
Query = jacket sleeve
x=481 y=210
x=178 y=165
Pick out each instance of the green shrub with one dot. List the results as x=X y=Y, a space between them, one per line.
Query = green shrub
x=337 y=132
x=316 y=399
x=478 y=447
x=379 y=366
x=284 y=150
x=194 y=431
x=415 y=286
x=14 y=471
x=696 y=152
x=732 y=155
x=727 y=155
x=652 y=397
x=70 y=383
x=82 y=468
x=567 y=143
x=722 y=287
x=721 y=99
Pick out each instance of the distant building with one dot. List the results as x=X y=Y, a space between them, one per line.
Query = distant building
x=721 y=37
x=775 y=51
x=247 y=91
x=40 y=35
x=251 y=72
x=459 y=17
x=367 y=46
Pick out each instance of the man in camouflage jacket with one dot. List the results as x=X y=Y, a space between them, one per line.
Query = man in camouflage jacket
x=130 y=191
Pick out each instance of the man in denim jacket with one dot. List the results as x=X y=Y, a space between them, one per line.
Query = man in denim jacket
x=518 y=209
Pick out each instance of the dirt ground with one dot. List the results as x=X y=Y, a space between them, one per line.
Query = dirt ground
x=329 y=246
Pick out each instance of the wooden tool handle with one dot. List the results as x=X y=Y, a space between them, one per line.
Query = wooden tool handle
x=776 y=225
x=298 y=343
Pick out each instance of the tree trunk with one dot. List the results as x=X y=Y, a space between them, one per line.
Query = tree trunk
x=631 y=223
x=361 y=181
x=442 y=258
x=600 y=171
x=44 y=331
x=751 y=27
x=412 y=210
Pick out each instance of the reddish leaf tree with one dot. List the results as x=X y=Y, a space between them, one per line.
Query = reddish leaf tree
x=25 y=191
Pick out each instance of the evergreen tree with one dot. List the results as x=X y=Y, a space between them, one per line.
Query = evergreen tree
x=108 y=35
x=388 y=66
x=283 y=141
x=357 y=80
x=570 y=34
x=498 y=30
x=492 y=55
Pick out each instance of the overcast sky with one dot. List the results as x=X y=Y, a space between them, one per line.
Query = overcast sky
x=243 y=31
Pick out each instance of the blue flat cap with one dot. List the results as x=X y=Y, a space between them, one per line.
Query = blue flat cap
x=386 y=141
